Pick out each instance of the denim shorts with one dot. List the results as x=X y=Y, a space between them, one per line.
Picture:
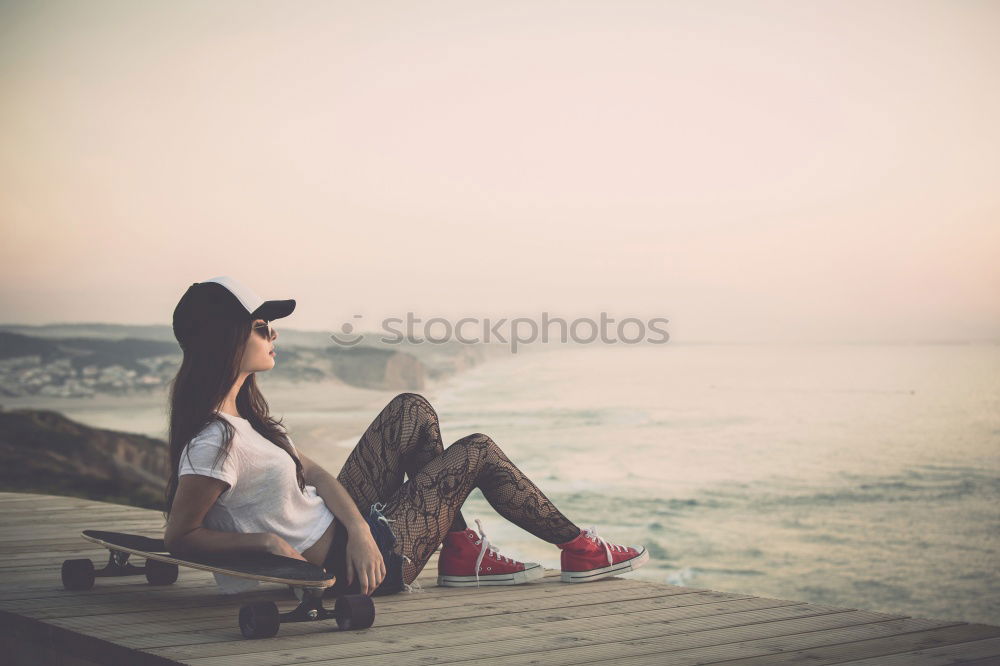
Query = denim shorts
x=385 y=539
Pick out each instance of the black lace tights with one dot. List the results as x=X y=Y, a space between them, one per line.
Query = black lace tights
x=406 y=438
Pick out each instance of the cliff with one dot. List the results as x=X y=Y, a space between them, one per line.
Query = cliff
x=369 y=367
x=45 y=452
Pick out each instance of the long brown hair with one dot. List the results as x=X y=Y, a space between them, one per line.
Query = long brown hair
x=208 y=371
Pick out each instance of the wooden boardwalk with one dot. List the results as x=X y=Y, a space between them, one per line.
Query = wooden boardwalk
x=126 y=621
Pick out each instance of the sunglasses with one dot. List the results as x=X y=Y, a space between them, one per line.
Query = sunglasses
x=264 y=330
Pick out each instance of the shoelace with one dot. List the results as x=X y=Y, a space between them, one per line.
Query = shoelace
x=591 y=533
x=487 y=547
x=377 y=508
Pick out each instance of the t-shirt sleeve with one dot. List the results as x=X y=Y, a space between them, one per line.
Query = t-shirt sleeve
x=200 y=454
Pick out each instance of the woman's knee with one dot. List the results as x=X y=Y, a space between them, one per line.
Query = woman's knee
x=479 y=451
x=477 y=441
x=406 y=399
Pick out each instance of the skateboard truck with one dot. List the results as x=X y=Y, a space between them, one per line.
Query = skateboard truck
x=80 y=574
x=352 y=611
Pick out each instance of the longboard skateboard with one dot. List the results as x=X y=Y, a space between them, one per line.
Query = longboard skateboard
x=257 y=620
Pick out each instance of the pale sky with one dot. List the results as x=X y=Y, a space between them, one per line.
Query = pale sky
x=749 y=170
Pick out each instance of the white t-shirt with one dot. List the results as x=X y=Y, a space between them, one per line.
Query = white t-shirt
x=263 y=493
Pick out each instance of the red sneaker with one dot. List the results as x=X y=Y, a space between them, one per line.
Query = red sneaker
x=467 y=559
x=589 y=557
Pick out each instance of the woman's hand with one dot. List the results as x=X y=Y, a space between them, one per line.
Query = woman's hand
x=278 y=546
x=364 y=560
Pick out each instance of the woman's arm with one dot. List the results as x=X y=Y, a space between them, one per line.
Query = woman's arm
x=185 y=535
x=334 y=494
x=364 y=561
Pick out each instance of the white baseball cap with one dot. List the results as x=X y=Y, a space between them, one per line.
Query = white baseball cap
x=255 y=306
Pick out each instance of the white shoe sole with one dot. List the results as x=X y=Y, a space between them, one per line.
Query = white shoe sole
x=604 y=572
x=531 y=572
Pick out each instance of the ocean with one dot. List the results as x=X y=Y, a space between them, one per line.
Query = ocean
x=865 y=476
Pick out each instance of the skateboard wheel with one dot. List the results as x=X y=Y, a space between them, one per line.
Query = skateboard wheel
x=354 y=611
x=78 y=574
x=160 y=573
x=259 y=620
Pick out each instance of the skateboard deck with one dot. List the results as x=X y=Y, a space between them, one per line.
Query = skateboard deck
x=257 y=620
x=265 y=567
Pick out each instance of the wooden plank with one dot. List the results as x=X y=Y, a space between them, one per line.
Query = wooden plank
x=71 y=534
x=986 y=651
x=58 y=501
x=56 y=504
x=46 y=533
x=878 y=649
x=40 y=543
x=21 y=525
x=62 y=504
x=50 y=545
x=71 y=518
x=112 y=588
x=64 y=515
x=738 y=647
x=28 y=526
x=68 y=519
